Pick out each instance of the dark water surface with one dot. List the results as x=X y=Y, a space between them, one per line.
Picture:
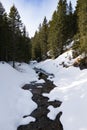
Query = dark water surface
x=40 y=114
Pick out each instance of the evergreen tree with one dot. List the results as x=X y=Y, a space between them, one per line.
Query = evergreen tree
x=27 y=46
x=15 y=24
x=6 y=38
x=58 y=29
x=14 y=42
x=53 y=36
x=62 y=25
x=82 y=24
x=70 y=9
x=15 y=19
x=36 y=47
x=43 y=32
x=70 y=22
x=2 y=11
x=40 y=42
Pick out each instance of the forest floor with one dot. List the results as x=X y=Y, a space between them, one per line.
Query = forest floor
x=40 y=114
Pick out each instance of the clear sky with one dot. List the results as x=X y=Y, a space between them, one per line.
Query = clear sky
x=32 y=12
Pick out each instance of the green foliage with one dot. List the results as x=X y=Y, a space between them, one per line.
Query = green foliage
x=82 y=24
x=52 y=36
x=14 y=43
x=40 y=42
x=58 y=29
x=36 y=47
x=44 y=38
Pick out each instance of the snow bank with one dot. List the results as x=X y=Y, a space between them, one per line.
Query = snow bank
x=14 y=101
x=71 y=90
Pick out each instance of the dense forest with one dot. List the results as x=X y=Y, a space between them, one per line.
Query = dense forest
x=14 y=41
x=49 y=40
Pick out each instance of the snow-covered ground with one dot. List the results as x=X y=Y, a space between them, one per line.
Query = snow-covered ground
x=14 y=101
x=71 y=89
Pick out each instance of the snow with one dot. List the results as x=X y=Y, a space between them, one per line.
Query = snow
x=71 y=89
x=69 y=45
x=15 y=103
x=53 y=112
x=40 y=81
x=71 y=82
x=39 y=86
x=27 y=120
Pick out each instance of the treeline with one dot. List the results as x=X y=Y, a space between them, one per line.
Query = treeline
x=51 y=38
x=14 y=41
x=66 y=25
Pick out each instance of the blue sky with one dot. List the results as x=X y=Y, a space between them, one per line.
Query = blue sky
x=33 y=11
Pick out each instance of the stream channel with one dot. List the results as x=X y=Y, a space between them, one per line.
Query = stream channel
x=40 y=114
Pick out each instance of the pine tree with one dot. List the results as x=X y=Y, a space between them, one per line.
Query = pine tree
x=6 y=37
x=71 y=22
x=36 y=47
x=70 y=9
x=62 y=23
x=15 y=19
x=58 y=29
x=15 y=24
x=44 y=38
x=40 y=42
x=53 y=36
x=14 y=42
x=82 y=24
x=27 y=46
x=2 y=11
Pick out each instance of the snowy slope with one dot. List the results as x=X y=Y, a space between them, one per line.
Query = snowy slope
x=14 y=101
x=71 y=89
